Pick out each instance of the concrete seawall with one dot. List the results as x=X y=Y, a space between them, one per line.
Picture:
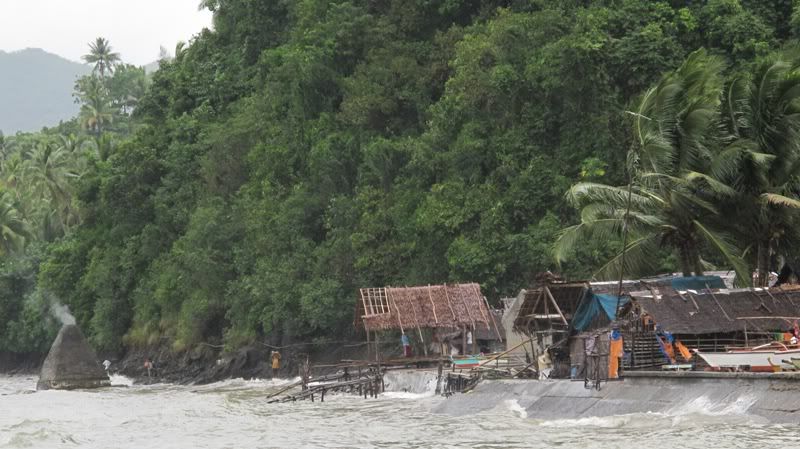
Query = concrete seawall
x=775 y=397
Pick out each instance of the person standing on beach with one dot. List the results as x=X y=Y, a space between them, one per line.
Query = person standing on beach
x=406 y=345
x=276 y=363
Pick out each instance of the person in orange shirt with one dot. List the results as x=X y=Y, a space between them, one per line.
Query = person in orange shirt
x=276 y=363
x=614 y=353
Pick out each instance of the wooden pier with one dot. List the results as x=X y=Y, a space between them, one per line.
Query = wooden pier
x=365 y=378
x=361 y=379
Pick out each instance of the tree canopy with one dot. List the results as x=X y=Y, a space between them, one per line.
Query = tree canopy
x=302 y=149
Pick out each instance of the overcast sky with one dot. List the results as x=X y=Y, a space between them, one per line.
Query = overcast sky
x=136 y=28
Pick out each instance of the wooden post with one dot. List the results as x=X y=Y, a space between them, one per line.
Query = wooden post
x=745 y=335
x=368 y=346
x=555 y=304
x=464 y=340
x=474 y=341
x=439 y=377
x=535 y=356
x=422 y=340
x=377 y=351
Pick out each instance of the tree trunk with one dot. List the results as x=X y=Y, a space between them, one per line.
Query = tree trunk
x=686 y=264
x=698 y=263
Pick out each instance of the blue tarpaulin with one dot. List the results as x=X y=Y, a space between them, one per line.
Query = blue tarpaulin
x=592 y=305
x=697 y=282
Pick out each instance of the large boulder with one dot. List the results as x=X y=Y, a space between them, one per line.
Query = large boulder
x=71 y=363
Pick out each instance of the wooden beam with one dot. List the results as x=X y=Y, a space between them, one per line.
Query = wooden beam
x=535 y=305
x=466 y=306
x=397 y=309
x=416 y=322
x=433 y=304
x=495 y=357
x=542 y=316
x=478 y=296
x=720 y=307
x=496 y=329
x=447 y=297
x=555 y=304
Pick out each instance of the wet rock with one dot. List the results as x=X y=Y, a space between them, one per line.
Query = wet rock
x=71 y=363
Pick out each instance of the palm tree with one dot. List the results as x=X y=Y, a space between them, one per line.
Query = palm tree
x=95 y=117
x=13 y=173
x=13 y=230
x=50 y=168
x=669 y=201
x=101 y=55
x=762 y=159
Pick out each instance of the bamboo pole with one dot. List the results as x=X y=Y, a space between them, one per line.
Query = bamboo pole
x=368 y=344
x=466 y=307
x=474 y=341
x=533 y=309
x=463 y=339
x=433 y=305
x=447 y=297
x=493 y=358
x=494 y=322
x=397 y=309
x=720 y=305
x=416 y=322
x=746 y=343
x=478 y=295
x=555 y=304
x=422 y=340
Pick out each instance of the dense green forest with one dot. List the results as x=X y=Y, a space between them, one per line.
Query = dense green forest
x=302 y=149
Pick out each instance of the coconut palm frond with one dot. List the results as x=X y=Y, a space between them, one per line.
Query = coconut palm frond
x=721 y=243
x=775 y=199
x=637 y=258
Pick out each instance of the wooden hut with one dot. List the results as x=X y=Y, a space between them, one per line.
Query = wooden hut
x=710 y=320
x=445 y=308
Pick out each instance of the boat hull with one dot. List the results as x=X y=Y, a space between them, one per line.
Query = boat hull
x=756 y=360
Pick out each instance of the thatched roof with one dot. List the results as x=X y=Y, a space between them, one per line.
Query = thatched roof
x=719 y=311
x=71 y=363
x=433 y=306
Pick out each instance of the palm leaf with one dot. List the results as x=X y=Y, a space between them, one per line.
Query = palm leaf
x=720 y=243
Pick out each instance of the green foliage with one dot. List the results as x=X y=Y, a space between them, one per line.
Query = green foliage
x=303 y=149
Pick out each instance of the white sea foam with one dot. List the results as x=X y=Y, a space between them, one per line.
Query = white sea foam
x=118 y=380
x=514 y=407
x=703 y=405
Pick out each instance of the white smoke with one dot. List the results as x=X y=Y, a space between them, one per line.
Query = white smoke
x=61 y=312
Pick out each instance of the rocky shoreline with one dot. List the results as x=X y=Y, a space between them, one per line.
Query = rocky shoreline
x=202 y=365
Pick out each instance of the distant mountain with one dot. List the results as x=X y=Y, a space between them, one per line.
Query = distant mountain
x=36 y=89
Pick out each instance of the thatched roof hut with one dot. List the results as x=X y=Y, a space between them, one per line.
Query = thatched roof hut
x=720 y=311
x=71 y=363
x=432 y=306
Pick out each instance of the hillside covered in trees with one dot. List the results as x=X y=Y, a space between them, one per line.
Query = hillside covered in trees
x=305 y=148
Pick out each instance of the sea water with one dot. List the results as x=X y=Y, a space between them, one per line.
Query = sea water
x=235 y=414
